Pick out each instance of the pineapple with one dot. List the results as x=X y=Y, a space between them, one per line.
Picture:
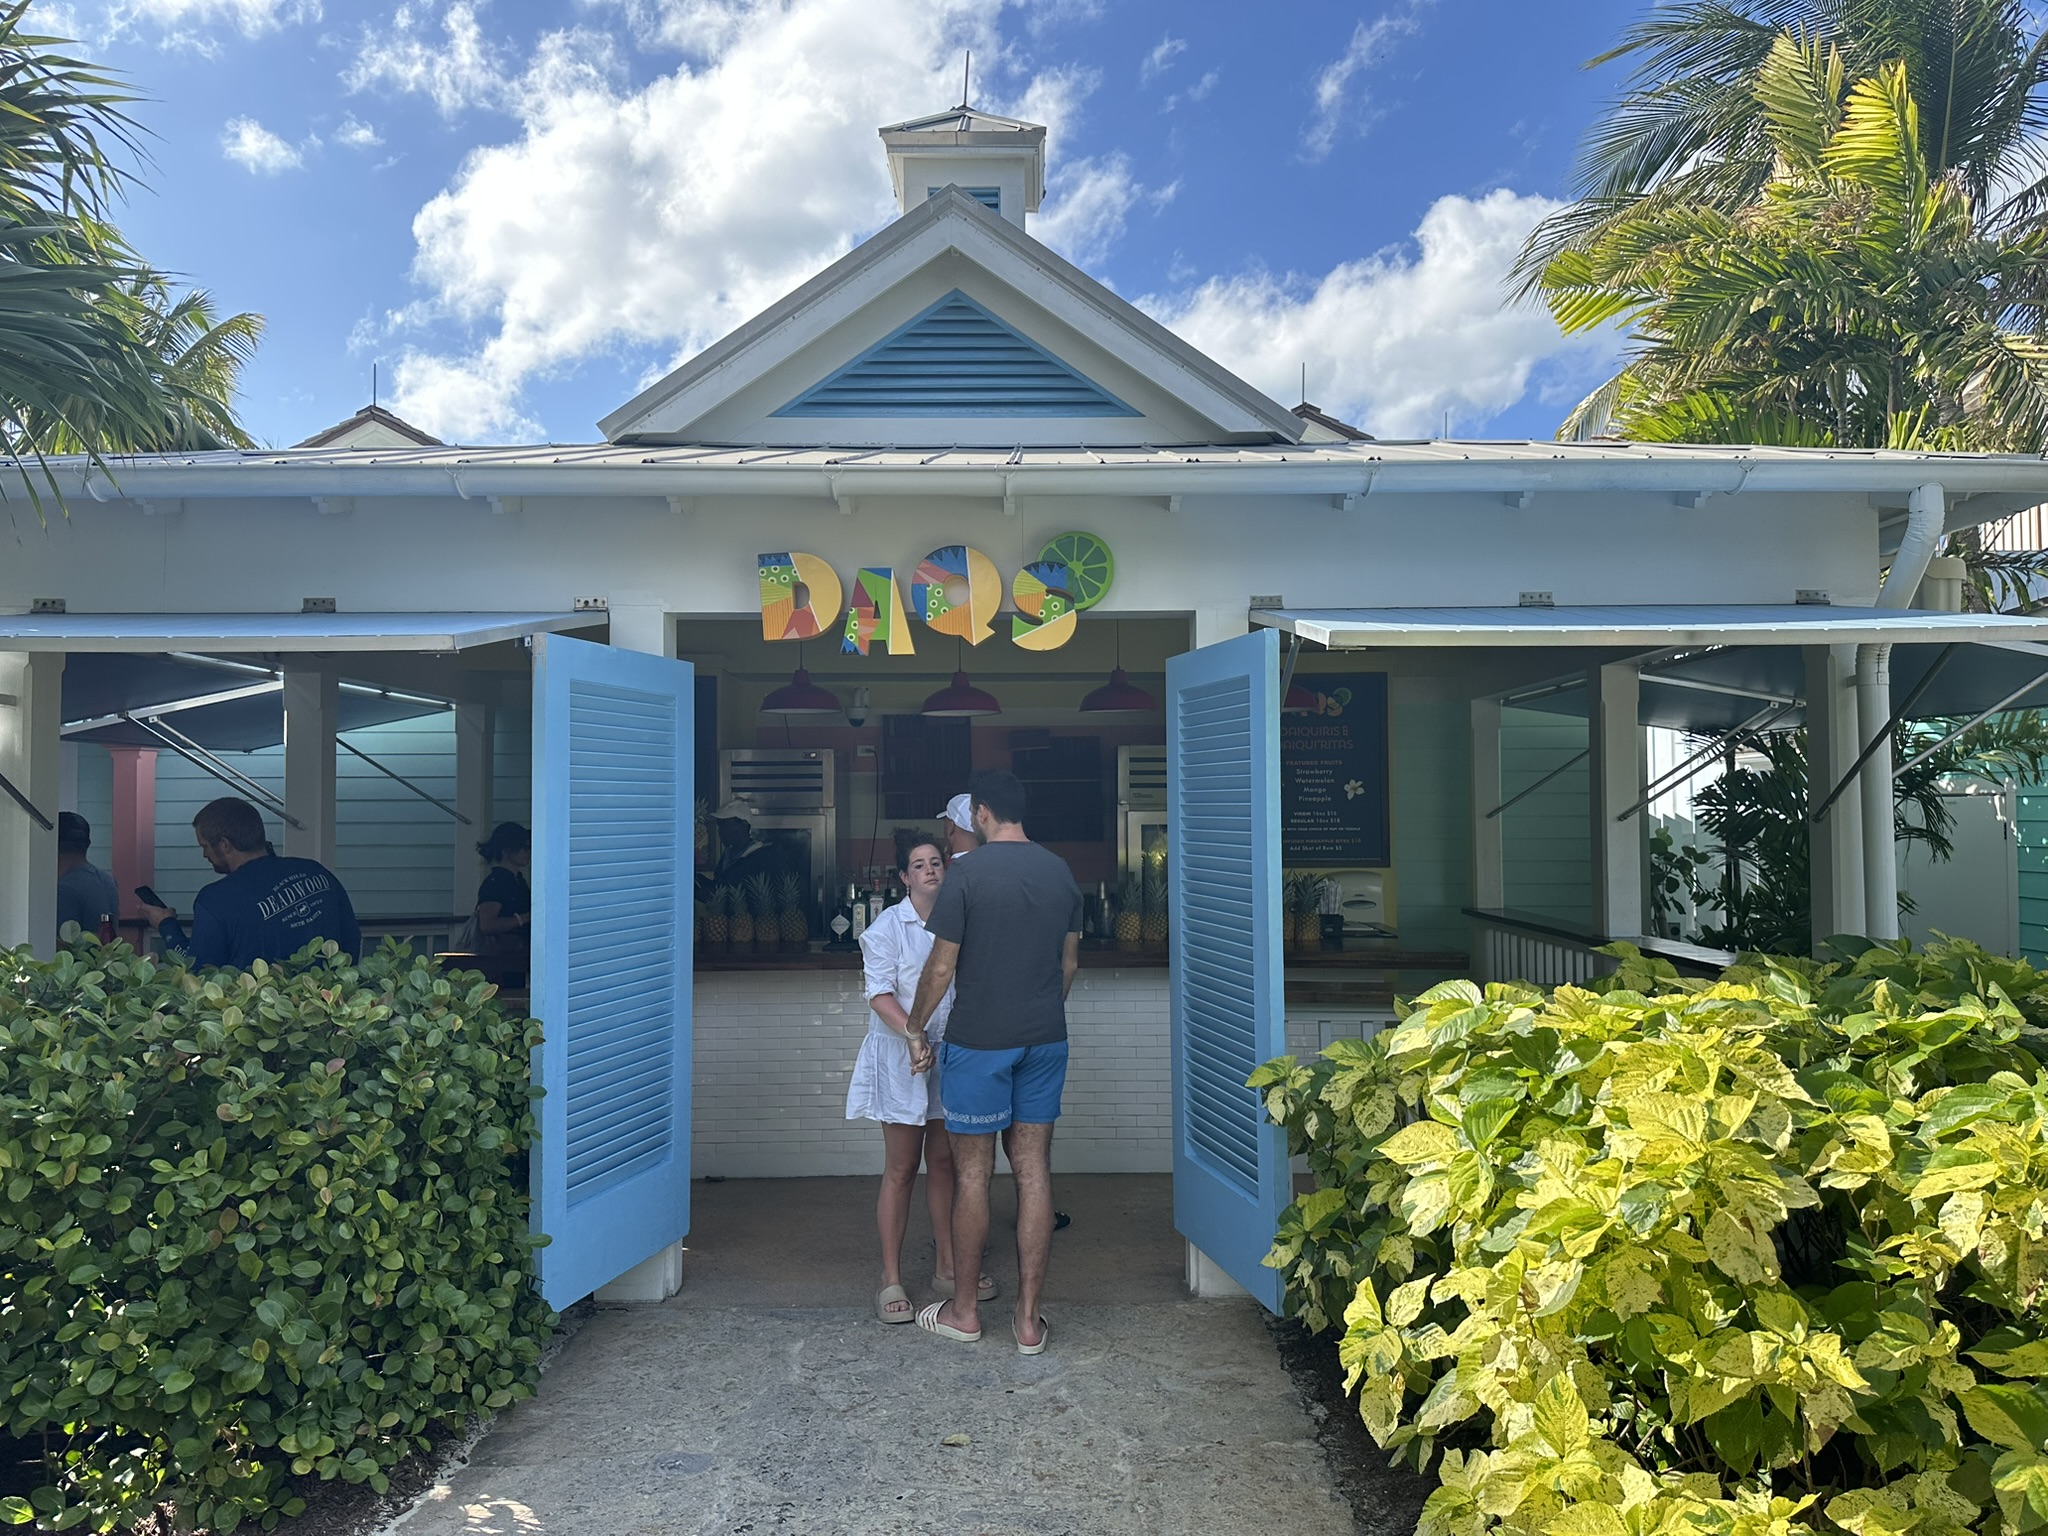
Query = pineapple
x=700 y=914
x=796 y=923
x=1290 y=911
x=741 y=918
x=761 y=903
x=1154 y=898
x=1130 y=902
x=1300 y=925
x=718 y=919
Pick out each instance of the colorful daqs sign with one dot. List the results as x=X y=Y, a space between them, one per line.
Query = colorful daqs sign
x=876 y=615
x=955 y=590
x=799 y=596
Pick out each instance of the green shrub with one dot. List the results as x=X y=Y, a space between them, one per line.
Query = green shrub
x=254 y=1224
x=1761 y=1255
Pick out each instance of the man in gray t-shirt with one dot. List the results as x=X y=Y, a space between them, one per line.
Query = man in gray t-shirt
x=85 y=892
x=1006 y=936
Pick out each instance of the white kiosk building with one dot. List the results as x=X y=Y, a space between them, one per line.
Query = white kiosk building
x=829 y=566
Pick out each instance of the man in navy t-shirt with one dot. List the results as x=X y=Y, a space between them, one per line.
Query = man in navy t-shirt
x=264 y=907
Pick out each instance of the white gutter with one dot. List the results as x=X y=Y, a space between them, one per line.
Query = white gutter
x=1302 y=472
x=1925 y=510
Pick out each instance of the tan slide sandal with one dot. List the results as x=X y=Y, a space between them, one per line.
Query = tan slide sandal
x=985 y=1290
x=890 y=1295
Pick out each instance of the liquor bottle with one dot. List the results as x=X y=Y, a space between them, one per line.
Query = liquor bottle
x=876 y=900
x=108 y=933
x=840 y=924
x=857 y=899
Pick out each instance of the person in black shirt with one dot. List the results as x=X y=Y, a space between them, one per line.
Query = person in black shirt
x=504 y=902
x=263 y=907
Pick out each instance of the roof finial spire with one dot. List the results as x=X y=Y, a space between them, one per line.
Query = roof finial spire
x=965 y=67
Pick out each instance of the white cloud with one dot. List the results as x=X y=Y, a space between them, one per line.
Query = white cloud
x=357 y=134
x=1160 y=59
x=176 y=21
x=1195 y=92
x=251 y=145
x=456 y=70
x=1396 y=339
x=629 y=220
x=1369 y=44
x=1088 y=204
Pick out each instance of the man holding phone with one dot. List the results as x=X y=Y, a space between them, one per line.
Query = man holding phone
x=264 y=906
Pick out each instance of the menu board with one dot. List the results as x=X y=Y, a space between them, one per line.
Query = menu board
x=1333 y=771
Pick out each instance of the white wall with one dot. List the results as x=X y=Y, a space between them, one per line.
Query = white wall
x=774 y=1051
x=1214 y=553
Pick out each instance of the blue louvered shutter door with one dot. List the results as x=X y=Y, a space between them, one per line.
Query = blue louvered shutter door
x=1230 y=1180
x=612 y=840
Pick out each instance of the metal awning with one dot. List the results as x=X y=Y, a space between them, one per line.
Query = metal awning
x=1647 y=626
x=268 y=633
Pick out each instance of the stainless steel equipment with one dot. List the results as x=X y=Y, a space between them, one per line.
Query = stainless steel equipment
x=791 y=792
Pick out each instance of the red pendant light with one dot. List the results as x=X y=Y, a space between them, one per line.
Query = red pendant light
x=960 y=699
x=800 y=696
x=1119 y=696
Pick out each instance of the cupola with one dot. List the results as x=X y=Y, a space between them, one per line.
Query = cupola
x=998 y=161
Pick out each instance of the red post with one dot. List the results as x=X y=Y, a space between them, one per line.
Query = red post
x=132 y=848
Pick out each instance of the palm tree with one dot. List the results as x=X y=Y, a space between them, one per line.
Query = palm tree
x=1855 y=298
x=97 y=355
x=1686 y=132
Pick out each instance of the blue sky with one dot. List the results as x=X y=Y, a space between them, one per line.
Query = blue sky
x=522 y=211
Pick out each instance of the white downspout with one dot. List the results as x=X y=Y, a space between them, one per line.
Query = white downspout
x=1925 y=511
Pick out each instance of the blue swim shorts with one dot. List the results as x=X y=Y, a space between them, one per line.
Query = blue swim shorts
x=989 y=1090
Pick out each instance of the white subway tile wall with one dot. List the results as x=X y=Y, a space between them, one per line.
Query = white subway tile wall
x=774 y=1051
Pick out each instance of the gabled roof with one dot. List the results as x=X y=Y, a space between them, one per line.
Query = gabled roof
x=371 y=427
x=952 y=223
x=1316 y=416
x=956 y=359
x=965 y=119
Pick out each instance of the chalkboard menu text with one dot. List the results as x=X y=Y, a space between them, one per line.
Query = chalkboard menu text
x=1333 y=770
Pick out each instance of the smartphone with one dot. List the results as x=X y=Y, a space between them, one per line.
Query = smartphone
x=148 y=897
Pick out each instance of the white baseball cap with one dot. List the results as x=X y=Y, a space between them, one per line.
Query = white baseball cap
x=959 y=811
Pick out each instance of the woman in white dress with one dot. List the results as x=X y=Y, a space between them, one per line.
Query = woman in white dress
x=893 y=952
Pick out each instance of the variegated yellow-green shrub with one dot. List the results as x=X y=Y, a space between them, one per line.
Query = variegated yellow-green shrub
x=1761 y=1255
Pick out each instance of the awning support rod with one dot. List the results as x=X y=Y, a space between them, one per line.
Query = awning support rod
x=1971 y=724
x=1287 y=672
x=1692 y=767
x=400 y=779
x=1523 y=794
x=26 y=804
x=208 y=764
x=1883 y=737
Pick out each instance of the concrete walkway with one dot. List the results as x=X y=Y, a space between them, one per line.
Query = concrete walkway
x=766 y=1398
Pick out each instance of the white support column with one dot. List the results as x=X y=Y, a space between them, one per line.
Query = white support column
x=1489 y=870
x=475 y=766
x=312 y=710
x=31 y=756
x=1615 y=735
x=660 y=1277
x=1835 y=843
x=1874 y=783
x=1210 y=625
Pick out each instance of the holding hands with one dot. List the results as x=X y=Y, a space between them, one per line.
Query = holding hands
x=921 y=1054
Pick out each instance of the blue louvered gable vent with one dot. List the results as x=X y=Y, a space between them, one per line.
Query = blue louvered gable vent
x=956 y=359
x=990 y=198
